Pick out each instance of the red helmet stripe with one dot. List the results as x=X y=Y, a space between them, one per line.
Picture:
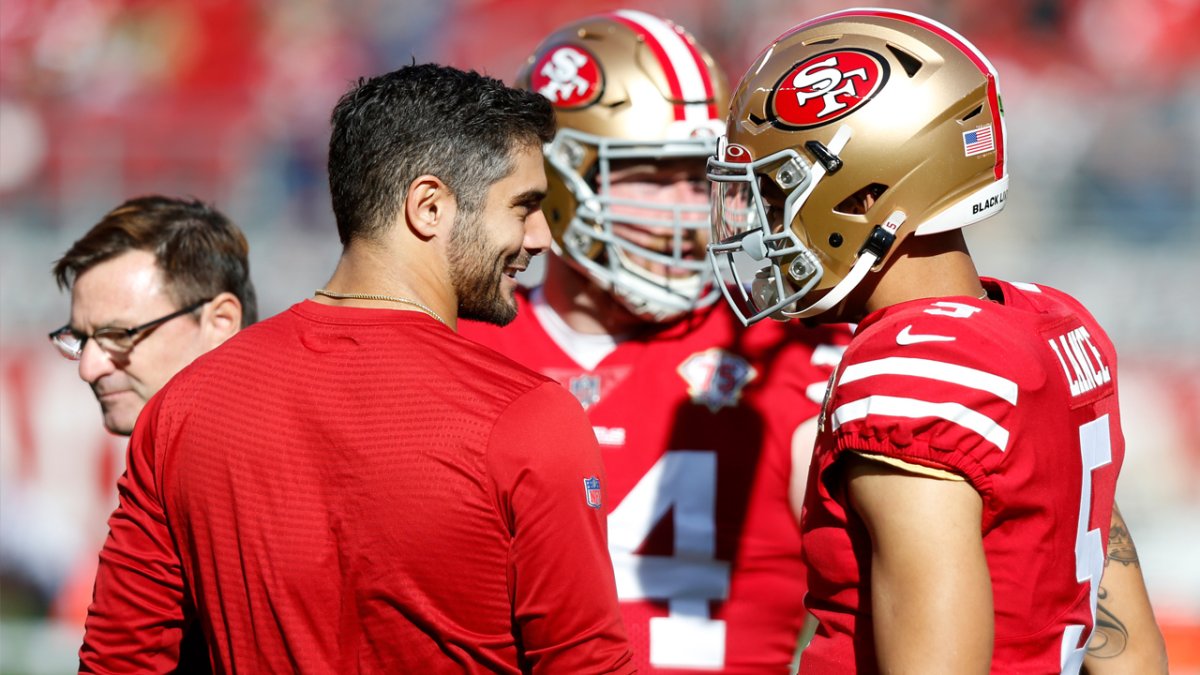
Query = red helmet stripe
x=941 y=30
x=687 y=73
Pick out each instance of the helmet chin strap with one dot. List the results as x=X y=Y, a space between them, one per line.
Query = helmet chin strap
x=873 y=251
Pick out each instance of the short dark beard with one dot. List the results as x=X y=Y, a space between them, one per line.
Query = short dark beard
x=476 y=270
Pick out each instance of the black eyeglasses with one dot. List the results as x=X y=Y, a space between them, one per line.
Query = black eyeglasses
x=112 y=340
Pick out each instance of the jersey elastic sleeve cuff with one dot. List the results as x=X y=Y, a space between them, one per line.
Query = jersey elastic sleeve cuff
x=909 y=467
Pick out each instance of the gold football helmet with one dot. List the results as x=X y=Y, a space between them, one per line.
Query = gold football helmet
x=850 y=132
x=625 y=86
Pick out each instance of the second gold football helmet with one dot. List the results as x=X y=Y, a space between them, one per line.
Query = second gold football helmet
x=628 y=85
x=850 y=132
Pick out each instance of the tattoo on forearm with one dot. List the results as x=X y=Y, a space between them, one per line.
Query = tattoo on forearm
x=1120 y=544
x=1111 y=636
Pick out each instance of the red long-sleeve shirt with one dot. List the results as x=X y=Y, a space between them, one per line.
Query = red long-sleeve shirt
x=355 y=490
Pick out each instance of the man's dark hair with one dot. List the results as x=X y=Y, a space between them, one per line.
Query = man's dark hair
x=198 y=250
x=463 y=127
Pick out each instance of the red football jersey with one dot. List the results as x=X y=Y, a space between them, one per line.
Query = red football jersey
x=341 y=490
x=695 y=422
x=1020 y=399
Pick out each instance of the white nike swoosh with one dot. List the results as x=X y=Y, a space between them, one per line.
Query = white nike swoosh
x=904 y=337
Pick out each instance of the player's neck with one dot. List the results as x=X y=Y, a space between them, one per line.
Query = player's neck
x=931 y=266
x=371 y=268
x=583 y=306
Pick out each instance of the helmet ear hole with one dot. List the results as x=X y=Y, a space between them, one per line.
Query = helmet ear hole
x=911 y=64
x=978 y=109
x=862 y=199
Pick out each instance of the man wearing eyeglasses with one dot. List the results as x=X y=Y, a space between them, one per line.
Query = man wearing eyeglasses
x=155 y=284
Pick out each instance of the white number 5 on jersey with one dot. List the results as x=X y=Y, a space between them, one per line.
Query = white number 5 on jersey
x=1095 y=449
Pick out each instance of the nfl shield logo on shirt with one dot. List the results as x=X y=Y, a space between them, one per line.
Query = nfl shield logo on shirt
x=586 y=388
x=591 y=489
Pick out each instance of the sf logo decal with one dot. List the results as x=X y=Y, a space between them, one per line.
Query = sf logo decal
x=569 y=76
x=822 y=80
x=826 y=87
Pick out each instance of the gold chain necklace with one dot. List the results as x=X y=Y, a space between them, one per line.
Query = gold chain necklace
x=377 y=296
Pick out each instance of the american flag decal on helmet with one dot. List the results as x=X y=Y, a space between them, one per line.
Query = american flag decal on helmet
x=978 y=141
x=591 y=490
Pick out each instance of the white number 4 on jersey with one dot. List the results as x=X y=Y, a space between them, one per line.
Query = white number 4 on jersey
x=684 y=483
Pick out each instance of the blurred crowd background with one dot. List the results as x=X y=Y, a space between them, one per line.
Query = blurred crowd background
x=228 y=101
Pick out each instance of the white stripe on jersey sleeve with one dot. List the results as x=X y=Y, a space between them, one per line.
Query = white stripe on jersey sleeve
x=933 y=370
x=893 y=406
x=691 y=80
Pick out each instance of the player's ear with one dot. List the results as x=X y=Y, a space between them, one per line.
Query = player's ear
x=429 y=207
x=221 y=318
